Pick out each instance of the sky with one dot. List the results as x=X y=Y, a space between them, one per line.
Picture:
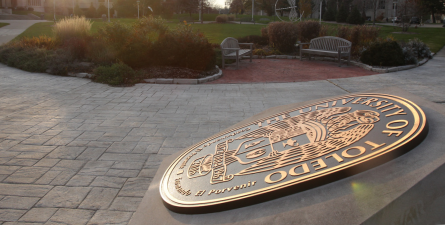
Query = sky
x=220 y=3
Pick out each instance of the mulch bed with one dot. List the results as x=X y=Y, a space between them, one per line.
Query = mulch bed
x=176 y=72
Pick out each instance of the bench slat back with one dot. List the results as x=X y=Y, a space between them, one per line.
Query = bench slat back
x=329 y=43
x=229 y=43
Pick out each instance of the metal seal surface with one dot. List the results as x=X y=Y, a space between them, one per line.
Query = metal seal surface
x=292 y=151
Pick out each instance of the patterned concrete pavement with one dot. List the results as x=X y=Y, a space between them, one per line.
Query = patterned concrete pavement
x=14 y=28
x=77 y=152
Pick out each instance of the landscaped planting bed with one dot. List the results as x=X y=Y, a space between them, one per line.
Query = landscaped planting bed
x=128 y=51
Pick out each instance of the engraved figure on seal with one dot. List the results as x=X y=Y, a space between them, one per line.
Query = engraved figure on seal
x=278 y=145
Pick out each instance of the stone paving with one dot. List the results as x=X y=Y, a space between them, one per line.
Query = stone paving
x=77 y=152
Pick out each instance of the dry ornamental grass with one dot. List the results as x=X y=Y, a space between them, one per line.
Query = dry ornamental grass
x=76 y=27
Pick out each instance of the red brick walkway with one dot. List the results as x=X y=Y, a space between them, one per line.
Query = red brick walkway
x=287 y=70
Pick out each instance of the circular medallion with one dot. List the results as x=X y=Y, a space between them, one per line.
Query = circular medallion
x=292 y=151
x=286 y=8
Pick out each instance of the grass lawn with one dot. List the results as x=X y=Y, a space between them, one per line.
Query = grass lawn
x=433 y=37
x=214 y=32
x=4 y=24
x=37 y=29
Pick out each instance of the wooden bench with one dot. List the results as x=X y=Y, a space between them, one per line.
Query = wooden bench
x=230 y=50
x=327 y=46
x=246 y=19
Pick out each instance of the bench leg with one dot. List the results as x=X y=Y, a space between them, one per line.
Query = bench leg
x=301 y=55
x=349 y=58
x=339 y=61
x=237 y=59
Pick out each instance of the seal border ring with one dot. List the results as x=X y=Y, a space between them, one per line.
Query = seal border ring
x=417 y=131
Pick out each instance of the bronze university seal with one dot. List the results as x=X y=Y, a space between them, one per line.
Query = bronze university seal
x=292 y=151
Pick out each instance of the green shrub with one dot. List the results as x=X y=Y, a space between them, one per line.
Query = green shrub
x=126 y=43
x=131 y=44
x=343 y=31
x=255 y=39
x=32 y=59
x=264 y=32
x=413 y=50
x=231 y=18
x=151 y=26
x=355 y=17
x=408 y=54
x=184 y=47
x=386 y=53
x=326 y=30
x=419 y=49
x=266 y=52
x=342 y=14
x=37 y=42
x=77 y=47
x=100 y=52
x=283 y=36
x=221 y=18
x=116 y=74
x=308 y=30
x=148 y=42
x=76 y=27
x=360 y=36
x=61 y=62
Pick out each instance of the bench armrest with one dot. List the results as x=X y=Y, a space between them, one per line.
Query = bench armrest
x=347 y=48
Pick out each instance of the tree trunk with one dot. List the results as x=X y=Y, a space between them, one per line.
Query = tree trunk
x=364 y=10
x=374 y=10
x=432 y=15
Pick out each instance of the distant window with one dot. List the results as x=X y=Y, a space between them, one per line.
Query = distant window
x=382 y=4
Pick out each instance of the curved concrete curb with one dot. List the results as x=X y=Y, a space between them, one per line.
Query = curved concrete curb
x=81 y=75
x=164 y=80
x=185 y=81
x=364 y=66
x=220 y=73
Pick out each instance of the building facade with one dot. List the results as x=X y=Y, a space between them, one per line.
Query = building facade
x=37 y=5
x=385 y=9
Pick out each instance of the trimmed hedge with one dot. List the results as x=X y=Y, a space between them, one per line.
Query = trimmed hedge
x=116 y=74
x=283 y=36
x=387 y=53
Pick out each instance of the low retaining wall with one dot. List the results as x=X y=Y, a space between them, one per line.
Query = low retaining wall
x=185 y=81
x=364 y=66
x=164 y=80
x=220 y=73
